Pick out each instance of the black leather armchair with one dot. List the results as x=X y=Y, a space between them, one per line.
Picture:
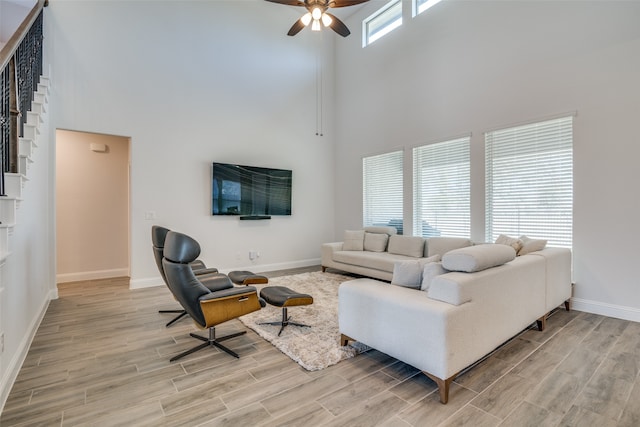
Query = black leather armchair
x=158 y=237
x=207 y=307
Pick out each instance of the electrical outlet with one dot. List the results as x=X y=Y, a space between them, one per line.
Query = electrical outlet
x=150 y=215
x=253 y=255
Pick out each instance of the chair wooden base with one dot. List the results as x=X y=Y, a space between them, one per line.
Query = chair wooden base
x=210 y=341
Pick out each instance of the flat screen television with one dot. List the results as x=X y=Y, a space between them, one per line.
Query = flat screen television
x=250 y=191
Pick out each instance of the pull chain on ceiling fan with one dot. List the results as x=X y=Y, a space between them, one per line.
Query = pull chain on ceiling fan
x=317 y=12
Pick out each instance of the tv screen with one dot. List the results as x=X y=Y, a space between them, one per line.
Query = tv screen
x=250 y=190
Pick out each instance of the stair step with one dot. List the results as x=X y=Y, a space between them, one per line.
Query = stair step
x=13 y=184
x=5 y=231
x=25 y=147
x=24 y=164
x=30 y=131
x=34 y=119
x=8 y=207
x=37 y=106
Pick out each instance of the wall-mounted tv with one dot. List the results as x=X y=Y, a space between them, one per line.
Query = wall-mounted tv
x=250 y=191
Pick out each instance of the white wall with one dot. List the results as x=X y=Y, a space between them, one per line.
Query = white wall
x=192 y=83
x=28 y=275
x=472 y=66
x=92 y=206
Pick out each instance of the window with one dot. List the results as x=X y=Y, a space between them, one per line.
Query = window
x=441 y=189
x=382 y=22
x=382 y=190
x=529 y=181
x=420 y=6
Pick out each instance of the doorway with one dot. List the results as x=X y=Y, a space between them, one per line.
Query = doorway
x=92 y=206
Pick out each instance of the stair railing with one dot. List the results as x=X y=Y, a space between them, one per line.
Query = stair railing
x=21 y=68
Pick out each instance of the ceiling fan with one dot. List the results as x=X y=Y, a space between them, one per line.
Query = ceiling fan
x=316 y=12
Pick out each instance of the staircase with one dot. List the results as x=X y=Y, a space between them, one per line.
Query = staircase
x=14 y=182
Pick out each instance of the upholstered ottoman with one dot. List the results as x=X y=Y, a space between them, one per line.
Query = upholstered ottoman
x=284 y=297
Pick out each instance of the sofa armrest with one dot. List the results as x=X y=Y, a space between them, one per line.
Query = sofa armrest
x=558 y=270
x=328 y=249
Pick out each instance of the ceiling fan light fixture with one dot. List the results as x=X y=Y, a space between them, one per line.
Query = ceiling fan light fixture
x=306 y=18
x=316 y=25
x=326 y=20
x=316 y=13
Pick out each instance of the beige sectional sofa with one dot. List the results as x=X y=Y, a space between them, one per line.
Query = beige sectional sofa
x=374 y=251
x=459 y=316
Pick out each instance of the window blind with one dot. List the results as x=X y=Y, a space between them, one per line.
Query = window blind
x=422 y=5
x=441 y=189
x=385 y=20
x=382 y=187
x=529 y=181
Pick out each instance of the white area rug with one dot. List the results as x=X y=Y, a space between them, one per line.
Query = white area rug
x=316 y=347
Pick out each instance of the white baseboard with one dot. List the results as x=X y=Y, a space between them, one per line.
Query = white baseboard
x=256 y=268
x=11 y=373
x=260 y=268
x=605 y=309
x=92 y=275
x=149 y=282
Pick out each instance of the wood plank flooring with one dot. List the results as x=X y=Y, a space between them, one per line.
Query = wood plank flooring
x=101 y=358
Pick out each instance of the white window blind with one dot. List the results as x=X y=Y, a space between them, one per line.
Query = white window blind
x=441 y=189
x=382 y=190
x=529 y=181
x=385 y=20
x=420 y=6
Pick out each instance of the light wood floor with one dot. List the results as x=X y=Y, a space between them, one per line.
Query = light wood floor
x=101 y=357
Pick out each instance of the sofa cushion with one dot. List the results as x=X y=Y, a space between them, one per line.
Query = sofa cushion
x=381 y=230
x=514 y=242
x=430 y=272
x=442 y=245
x=412 y=246
x=478 y=258
x=375 y=242
x=383 y=261
x=531 y=245
x=353 y=240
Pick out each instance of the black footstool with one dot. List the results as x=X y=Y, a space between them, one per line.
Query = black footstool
x=247 y=278
x=281 y=296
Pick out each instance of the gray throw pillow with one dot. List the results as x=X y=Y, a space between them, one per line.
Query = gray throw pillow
x=430 y=272
x=407 y=274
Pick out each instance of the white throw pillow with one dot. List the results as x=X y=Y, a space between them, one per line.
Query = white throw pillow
x=531 y=245
x=375 y=242
x=514 y=242
x=478 y=258
x=429 y=272
x=353 y=240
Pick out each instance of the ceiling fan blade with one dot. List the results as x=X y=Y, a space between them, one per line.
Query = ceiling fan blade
x=338 y=26
x=296 y=27
x=288 y=2
x=344 y=3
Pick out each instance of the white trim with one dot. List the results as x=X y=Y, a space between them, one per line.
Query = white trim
x=150 y=282
x=605 y=309
x=11 y=373
x=92 y=275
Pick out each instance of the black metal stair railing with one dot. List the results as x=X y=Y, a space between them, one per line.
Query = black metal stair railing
x=21 y=61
